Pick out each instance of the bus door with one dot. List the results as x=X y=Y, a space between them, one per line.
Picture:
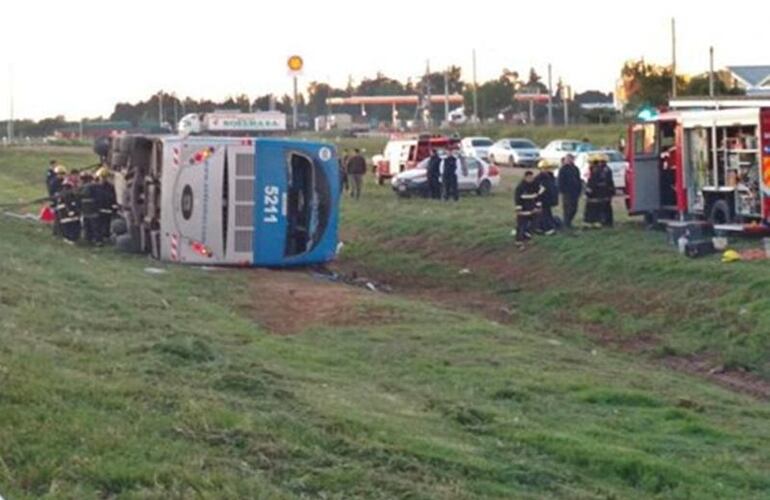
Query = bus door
x=192 y=197
x=644 y=166
x=297 y=196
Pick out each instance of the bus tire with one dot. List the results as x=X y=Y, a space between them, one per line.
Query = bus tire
x=720 y=213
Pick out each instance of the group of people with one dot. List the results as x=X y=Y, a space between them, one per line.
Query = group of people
x=82 y=203
x=536 y=196
x=442 y=182
x=352 y=171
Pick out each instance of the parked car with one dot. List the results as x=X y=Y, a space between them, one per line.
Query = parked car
x=473 y=174
x=616 y=161
x=514 y=152
x=556 y=150
x=476 y=146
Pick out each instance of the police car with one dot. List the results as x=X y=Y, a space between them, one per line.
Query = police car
x=473 y=174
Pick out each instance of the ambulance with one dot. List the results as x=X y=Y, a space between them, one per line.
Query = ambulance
x=702 y=164
x=225 y=200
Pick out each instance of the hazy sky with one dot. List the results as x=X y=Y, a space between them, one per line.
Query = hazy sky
x=78 y=58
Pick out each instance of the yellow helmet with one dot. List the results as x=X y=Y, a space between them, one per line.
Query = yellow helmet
x=60 y=170
x=731 y=256
x=545 y=164
x=102 y=173
x=597 y=158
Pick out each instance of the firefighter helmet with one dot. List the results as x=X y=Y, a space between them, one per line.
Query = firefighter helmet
x=730 y=256
x=597 y=158
x=102 y=173
x=60 y=170
x=545 y=164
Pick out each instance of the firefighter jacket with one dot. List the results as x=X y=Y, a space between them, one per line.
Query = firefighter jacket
x=68 y=207
x=549 y=196
x=525 y=197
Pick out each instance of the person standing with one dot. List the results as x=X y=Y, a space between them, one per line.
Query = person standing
x=54 y=188
x=525 y=200
x=88 y=209
x=105 y=202
x=592 y=213
x=449 y=177
x=607 y=187
x=68 y=212
x=548 y=196
x=356 y=170
x=570 y=187
x=344 y=184
x=434 y=174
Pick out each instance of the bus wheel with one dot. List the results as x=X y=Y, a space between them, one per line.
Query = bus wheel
x=720 y=213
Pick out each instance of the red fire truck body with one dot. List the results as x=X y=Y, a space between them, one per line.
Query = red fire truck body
x=706 y=164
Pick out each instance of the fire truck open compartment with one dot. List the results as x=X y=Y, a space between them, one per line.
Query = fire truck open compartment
x=699 y=164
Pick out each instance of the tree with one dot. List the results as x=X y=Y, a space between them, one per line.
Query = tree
x=699 y=86
x=647 y=84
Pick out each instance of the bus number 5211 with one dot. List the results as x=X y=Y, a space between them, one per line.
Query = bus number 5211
x=271 y=204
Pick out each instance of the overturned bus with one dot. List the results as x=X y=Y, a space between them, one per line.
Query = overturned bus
x=226 y=201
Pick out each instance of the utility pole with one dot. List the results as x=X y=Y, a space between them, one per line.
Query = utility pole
x=160 y=108
x=475 y=91
x=673 y=57
x=565 y=98
x=10 y=96
x=711 y=71
x=81 y=129
x=446 y=96
x=294 y=112
x=550 y=98
x=426 y=112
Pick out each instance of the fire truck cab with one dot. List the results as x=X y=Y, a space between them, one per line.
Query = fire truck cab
x=705 y=164
x=404 y=153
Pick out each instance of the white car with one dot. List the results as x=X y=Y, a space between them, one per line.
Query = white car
x=617 y=164
x=476 y=146
x=556 y=150
x=514 y=152
x=473 y=174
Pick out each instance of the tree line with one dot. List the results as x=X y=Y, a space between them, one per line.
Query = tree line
x=642 y=84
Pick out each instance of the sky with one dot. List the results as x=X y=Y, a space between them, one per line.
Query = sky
x=78 y=58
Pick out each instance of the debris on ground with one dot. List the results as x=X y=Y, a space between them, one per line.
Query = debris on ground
x=154 y=270
x=322 y=273
x=464 y=271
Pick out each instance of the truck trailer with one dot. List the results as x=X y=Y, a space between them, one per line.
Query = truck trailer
x=225 y=200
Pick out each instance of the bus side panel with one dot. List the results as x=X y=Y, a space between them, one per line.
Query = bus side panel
x=270 y=202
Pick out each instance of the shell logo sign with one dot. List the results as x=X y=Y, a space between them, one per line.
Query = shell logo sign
x=295 y=63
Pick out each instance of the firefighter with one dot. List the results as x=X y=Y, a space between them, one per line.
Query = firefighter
x=449 y=177
x=548 y=196
x=54 y=188
x=74 y=178
x=570 y=187
x=105 y=203
x=607 y=187
x=592 y=211
x=434 y=174
x=525 y=199
x=68 y=211
x=88 y=209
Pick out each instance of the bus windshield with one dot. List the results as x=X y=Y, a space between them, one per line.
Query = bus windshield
x=308 y=204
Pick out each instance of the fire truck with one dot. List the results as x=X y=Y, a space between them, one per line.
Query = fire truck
x=404 y=153
x=712 y=165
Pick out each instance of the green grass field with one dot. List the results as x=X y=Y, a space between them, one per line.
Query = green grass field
x=577 y=369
